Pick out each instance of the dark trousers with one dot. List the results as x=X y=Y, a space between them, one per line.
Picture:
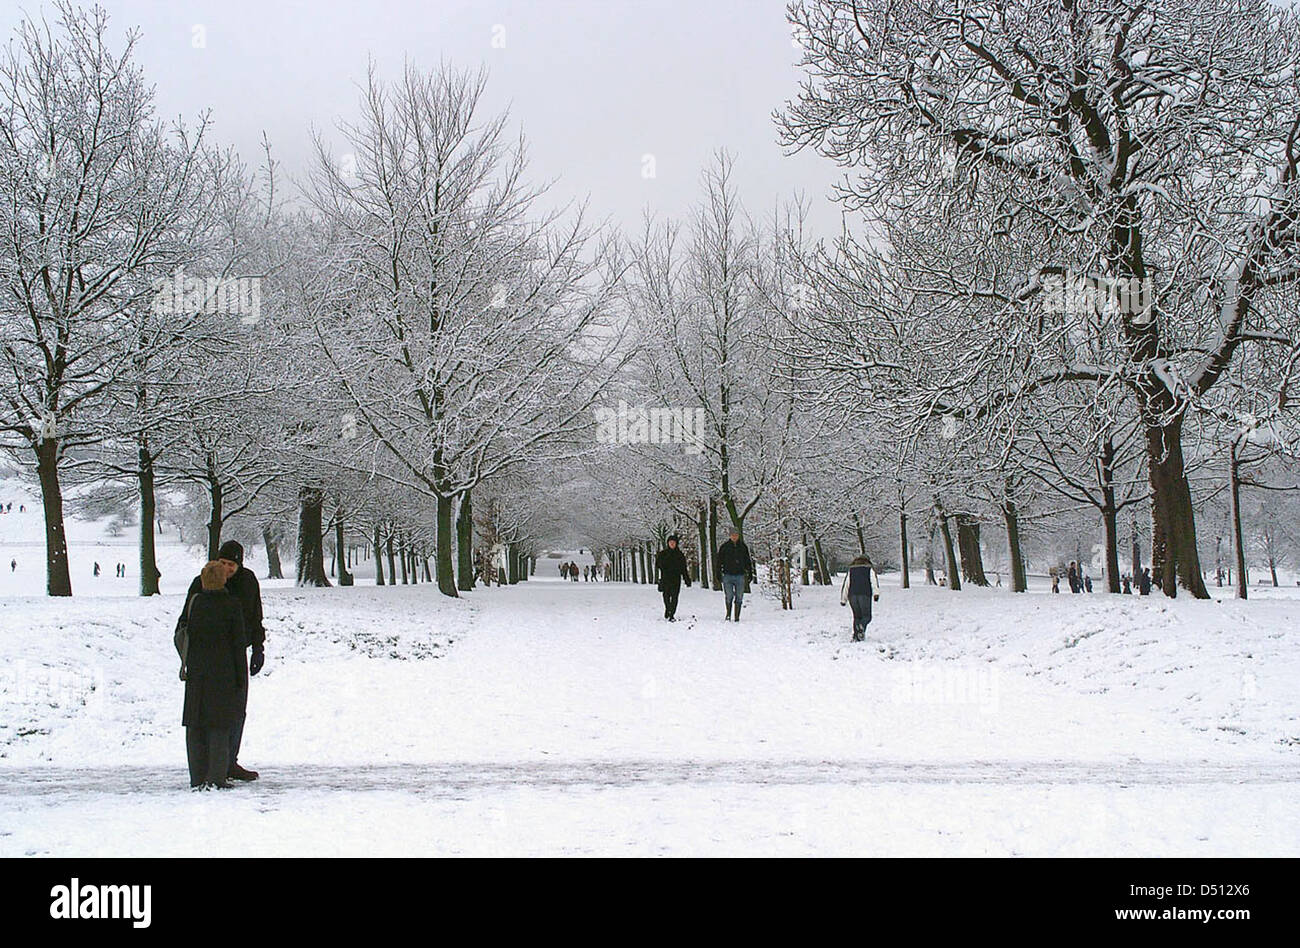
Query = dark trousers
x=861 y=606
x=237 y=737
x=670 y=600
x=208 y=749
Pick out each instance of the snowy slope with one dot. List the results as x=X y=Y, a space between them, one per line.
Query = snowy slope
x=570 y=718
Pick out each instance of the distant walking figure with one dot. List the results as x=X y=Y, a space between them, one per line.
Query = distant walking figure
x=670 y=564
x=861 y=588
x=1144 y=582
x=733 y=567
x=96 y=569
x=13 y=566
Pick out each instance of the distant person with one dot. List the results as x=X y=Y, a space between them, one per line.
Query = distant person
x=573 y=571
x=1087 y=583
x=1056 y=582
x=96 y=569
x=861 y=588
x=1072 y=576
x=1127 y=584
x=564 y=571
x=13 y=566
x=734 y=566
x=216 y=677
x=1144 y=581
x=670 y=564
x=243 y=586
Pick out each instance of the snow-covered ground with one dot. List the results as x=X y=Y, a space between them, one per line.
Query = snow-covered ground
x=569 y=718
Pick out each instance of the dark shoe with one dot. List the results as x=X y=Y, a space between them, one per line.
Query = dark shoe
x=737 y=619
x=239 y=773
x=214 y=785
x=859 y=637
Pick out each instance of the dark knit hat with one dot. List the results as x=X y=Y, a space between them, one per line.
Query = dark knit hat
x=674 y=537
x=230 y=550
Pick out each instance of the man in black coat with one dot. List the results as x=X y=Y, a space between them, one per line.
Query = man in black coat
x=243 y=586
x=216 y=677
x=734 y=566
x=671 y=566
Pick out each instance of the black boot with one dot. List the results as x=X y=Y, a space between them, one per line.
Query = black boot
x=728 y=619
x=240 y=773
x=737 y=619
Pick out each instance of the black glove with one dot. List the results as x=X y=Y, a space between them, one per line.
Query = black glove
x=875 y=599
x=259 y=659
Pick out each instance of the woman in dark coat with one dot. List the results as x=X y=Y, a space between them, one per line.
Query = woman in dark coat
x=216 y=677
x=672 y=569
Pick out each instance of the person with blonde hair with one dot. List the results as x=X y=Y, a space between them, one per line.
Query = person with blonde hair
x=861 y=588
x=215 y=668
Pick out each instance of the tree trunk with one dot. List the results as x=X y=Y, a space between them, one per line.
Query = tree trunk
x=702 y=524
x=379 y=559
x=58 y=578
x=968 y=541
x=149 y=574
x=823 y=568
x=215 y=498
x=274 y=568
x=954 y=577
x=443 y=557
x=714 y=576
x=311 y=541
x=1175 y=560
x=1109 y=515
x=930 y=579
x=1110 y=524
x=1019 y=582
x=1135 y=554
x=345 y=578
x=392 y=560
x=465 y=544
x=903 y=550
x=1234 y=506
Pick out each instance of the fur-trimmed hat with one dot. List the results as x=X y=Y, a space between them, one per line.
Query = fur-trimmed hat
x=213 y=576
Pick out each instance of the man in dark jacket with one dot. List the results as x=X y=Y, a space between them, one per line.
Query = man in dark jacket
x=216 y=677
x=733 y=568
x=1144 y=582
x=243 y=586
x=670 y=564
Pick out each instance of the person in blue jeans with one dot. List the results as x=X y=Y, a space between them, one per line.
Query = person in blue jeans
x=861 y=588
x=733 y=567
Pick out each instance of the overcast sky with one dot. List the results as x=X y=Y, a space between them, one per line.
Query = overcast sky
x=596 y=85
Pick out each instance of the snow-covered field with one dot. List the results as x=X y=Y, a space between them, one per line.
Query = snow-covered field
x=570 y=718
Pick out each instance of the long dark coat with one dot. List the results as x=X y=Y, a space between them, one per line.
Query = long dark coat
x=216 y=682
x=672 y=568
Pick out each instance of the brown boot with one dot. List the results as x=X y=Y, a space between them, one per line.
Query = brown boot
x=239 y=773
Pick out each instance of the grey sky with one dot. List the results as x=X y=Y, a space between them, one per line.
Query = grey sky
x=595 y=84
